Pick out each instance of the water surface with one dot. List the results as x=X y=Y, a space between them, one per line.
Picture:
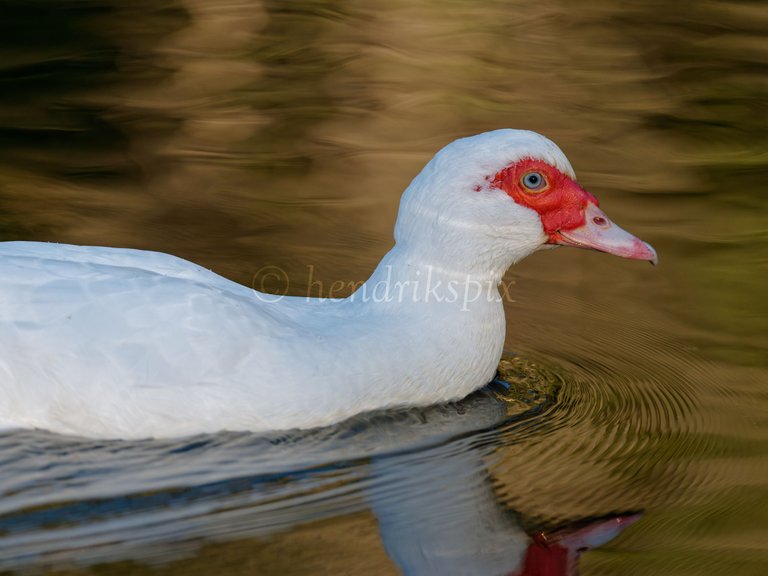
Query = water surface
x=245 y=135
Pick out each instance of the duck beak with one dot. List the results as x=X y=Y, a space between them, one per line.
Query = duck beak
x=599 y=233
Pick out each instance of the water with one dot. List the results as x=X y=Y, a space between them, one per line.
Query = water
x=249 y=134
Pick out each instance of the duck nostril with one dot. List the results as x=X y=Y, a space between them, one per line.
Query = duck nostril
x=599 y=220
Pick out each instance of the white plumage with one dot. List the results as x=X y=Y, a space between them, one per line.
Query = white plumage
x=111 y=342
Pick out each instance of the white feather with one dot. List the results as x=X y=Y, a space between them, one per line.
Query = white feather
x=109 y=342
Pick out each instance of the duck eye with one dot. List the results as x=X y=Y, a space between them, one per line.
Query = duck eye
x=534 y=181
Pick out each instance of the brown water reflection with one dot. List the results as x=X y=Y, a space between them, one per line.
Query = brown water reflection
x=242 y=133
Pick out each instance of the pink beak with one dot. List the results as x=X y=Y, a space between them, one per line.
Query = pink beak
x=599 y=233
x=558 y=554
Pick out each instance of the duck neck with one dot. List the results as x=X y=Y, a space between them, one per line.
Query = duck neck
x=406 y=276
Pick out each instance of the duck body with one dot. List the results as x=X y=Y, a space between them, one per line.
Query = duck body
x=126 y=343
x=119 y=343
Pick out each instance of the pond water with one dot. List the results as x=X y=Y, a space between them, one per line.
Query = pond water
x=251 y=136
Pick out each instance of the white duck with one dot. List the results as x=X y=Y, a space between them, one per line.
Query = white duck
x=106 y=342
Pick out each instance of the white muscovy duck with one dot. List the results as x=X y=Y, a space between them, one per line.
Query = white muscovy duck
x=119 y=343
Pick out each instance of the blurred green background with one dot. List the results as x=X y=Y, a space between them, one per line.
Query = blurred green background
x=240 y=134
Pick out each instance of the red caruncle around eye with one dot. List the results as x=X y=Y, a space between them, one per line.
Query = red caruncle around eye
x=560 y=201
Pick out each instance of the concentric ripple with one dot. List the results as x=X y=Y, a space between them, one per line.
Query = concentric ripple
x=620 y=436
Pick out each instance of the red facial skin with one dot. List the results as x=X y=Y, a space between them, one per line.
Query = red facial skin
x=557 y=554
x=560 y=203
x=547 y=559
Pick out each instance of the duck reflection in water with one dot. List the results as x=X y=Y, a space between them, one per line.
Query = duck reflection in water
x=438 y=513
x=423 y=472
x=443 y=518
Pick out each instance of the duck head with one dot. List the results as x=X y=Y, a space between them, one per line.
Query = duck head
x=487 y=201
